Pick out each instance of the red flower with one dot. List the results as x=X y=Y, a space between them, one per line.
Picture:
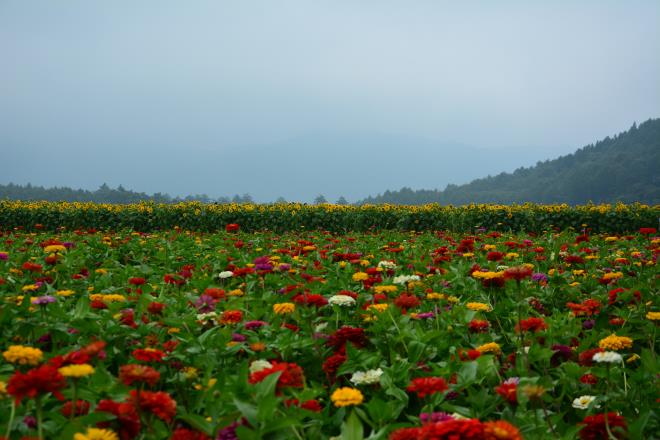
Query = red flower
x=158 y=403
x=586 y=357
x=132 y=373
x=127 y=424
x=312 y=299
x=468 y=429
x=332 y=364
x=595 y=429
x=82 y=408
x=355 y=335
x=494 y=256
x=231 y=317
x=37 y=381
x=174 y=279
x=517 y=273
x=232 y=227
x=188 y=434
x=292 y=375
x=586 y=308
x=406 y=434
x=647 y=231
x=148 y=355
x=136 y=281
x=508 y=391
x=426 y=386
x=406 y=301
x=501 y=430
x=574 y=259
x=312 y=405
x=479 y=326
x=531 y=324
x=589 y=379
x=156 y=308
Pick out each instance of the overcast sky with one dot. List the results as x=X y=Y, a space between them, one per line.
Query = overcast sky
x=275 y=97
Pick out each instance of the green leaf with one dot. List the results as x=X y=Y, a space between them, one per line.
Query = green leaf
x=198 y=422
x=351 y=429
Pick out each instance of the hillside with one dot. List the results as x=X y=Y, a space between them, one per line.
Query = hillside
x=624 y=168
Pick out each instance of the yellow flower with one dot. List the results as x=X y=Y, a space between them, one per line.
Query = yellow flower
x=342 y=264
x=632 y=358
x=378 y=307
x=360 y=276
x=511 y=255
x=487 y=275
x=614 y=342
x=65 y=292
x=55 y=248
x=453 y=299
x=309 y=248
x=76 y=370
x=96 y=434
x=612 y=276
x=435 y=296
x=580 y=272
x=468 y=255
x=173 y=330
x=489 y=247
x=19 y=354
x=611 y=239
x=284 y=308
x=491 y=347
x=478 y=307
x=29 y=288
x=101 y=271
x=236 y=292
x=346 y=396
x=653 y=316
x=385 y=289
x=3 y=390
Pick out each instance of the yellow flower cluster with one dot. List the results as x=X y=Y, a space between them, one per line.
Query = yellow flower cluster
x=284 y=308
x=76 y=370
x=65 y=292
x=478 y=307
x=653 y=316
x=378 y=307
x=346 y=396
x=385 y=289
x=19 y=354
x=487 y=275
x=435 y=296
x=614 y=342
x=54 y=249
x=96 y=434
x=112 y=297
x=360 y=276
x=236 y=292
x=612 y=276
x=491 y=347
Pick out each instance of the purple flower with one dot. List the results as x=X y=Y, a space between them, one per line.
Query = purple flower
x=205 y=303
x=254 y=325
x=43 y=300
x=263 y=266
x=562 y=353
x=284 y=267
x=4 y=256
x=435 y=417
x=539 y=277
x=512 y=380
x=588 y=324
x=237 y=337
x=30 y=422
x=425 y=315
x=229 y=432
x=68 y=244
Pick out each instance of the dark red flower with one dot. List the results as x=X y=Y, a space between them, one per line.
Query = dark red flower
x=494 y=256
x=156 y=308
x=136 y=281
x=332 y=364
x=595 y=429
x=82 y=408
x=127 y=424
x=586 y=357
x=232 y=227
x=517 y=273
x=426 y=386
x=647 y=231
x=406 y=301
x=355 y=335
x=589 y=379
x=312 y=299
x=36 y=382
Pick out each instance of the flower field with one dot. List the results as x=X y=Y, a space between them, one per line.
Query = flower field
x=311 y=334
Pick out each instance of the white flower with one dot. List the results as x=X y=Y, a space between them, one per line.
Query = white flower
x=387 y=265
x=610 y=357
x=205 y=317
x=341 y=300
x=366 y=377
x=319 y=328
x=502 y=268
x=259 y=365
x=583 y=402
x=226 y=274
x=405 y=279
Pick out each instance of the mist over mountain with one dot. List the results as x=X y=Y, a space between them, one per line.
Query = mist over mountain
x=350 y=164
x=624 y=168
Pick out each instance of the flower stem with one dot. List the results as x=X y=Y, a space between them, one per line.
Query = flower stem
x=40 y=428
x=12 y=414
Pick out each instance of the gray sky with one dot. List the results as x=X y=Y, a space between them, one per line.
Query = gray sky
x=296 y=98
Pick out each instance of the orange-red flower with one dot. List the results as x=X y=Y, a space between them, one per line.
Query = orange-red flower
x=37 y=381
x=426 y=386
x=132 y=373
x=158 y=403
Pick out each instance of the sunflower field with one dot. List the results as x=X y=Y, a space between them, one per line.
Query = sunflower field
x=297 y=322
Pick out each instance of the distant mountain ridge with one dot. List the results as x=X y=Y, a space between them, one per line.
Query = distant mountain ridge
x=623 y=168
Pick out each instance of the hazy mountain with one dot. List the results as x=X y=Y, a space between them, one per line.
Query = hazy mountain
x=622 y=168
